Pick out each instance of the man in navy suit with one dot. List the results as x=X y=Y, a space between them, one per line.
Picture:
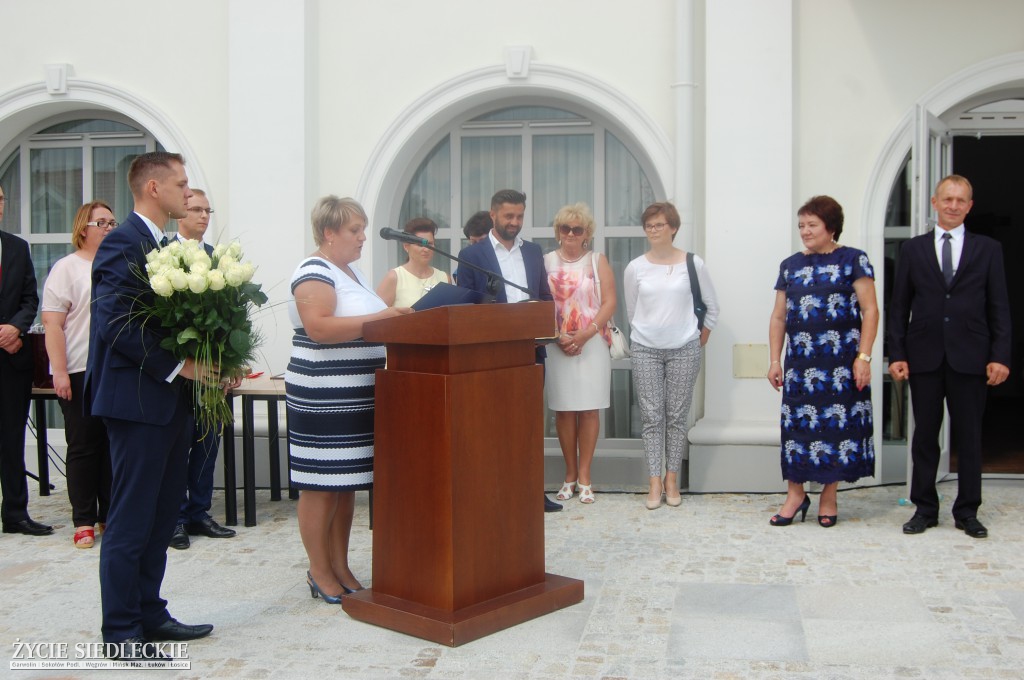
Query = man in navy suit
x=194 y=516
x=504 y=251
x=949 y=333
x=18 y=303
x=143 y=395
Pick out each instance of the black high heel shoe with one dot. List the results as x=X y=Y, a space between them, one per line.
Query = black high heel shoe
x=779 y=520
x=314 y=591
x=828 y=520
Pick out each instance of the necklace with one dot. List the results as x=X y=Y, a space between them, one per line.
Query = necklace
x=834 y=247
x=563 y=258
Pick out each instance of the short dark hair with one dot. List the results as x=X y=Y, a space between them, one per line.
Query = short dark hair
x=478 y=225
x=668 y=210
x=418 y=224
x=828 y=210
x=508 y=196
x=150 y=165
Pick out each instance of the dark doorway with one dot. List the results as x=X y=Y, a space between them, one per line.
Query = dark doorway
x=995 y=166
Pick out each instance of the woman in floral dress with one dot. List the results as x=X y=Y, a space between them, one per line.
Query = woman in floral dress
x=826 y=312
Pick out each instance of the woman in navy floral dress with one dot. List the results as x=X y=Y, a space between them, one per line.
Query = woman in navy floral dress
x=827 y=317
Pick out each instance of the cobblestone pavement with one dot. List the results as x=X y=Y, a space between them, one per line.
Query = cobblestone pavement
x=706 y=590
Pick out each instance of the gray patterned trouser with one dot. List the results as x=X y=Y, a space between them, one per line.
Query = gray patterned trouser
x=664 y=380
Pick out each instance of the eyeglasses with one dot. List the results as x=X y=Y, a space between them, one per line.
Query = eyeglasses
x=565 y=230
x=102 y=224
x=655 y=227
x=200 y=211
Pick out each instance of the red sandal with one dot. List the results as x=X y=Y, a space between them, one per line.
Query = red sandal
x=85 y=537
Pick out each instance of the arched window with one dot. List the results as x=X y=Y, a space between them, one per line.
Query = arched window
x=54 y=168
x=557 y=156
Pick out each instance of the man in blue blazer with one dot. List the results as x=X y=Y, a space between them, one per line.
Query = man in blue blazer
x=504 y=252
x=18 y=303
x=144 y=396
x=194 y=517
x=949 y=333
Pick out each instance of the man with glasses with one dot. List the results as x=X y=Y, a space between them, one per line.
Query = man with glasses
x=194 y=518
x=18 y=303
x=504 y=251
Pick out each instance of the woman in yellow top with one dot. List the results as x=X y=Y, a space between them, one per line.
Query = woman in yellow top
x=404 y=285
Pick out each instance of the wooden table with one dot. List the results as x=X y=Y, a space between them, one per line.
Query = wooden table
x=263 y=388
x=40 y=395
x=270 y=390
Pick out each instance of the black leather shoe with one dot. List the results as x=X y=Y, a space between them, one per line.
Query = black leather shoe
x=134 y=649
x=550 y=505
x=918 y=523
x=972 y=527
x=179 y=539
x=208 y=527
x=175 y=630
x=29 y=527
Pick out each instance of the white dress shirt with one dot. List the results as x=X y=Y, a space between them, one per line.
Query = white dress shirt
x=512 y=267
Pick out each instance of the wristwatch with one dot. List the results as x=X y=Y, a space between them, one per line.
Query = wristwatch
x=864 y=357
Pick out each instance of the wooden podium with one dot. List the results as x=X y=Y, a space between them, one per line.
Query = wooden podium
x=458 y=519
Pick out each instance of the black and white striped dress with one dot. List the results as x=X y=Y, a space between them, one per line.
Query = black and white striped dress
x=329 y=390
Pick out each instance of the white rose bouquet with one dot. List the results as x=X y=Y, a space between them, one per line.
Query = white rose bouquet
x=206 y=303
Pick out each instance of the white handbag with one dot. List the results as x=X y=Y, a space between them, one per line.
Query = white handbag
x=618 y=349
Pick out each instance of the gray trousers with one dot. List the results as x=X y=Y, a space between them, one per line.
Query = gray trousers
x=664 y=380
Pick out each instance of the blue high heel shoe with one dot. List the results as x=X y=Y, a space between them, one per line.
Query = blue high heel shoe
x=314 y=591
x=781 y=521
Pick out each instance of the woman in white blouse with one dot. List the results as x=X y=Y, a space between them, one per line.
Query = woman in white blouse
x=665 y=342
x=66 y=317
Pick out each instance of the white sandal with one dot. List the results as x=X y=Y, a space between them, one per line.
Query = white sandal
x=566 y=492
x=586 y=494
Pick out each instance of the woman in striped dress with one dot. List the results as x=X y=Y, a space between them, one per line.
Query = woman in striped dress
x=329 y=391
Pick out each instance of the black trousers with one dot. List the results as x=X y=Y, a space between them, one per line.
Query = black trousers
x=15 y=394
x=88 y=459
x=964 y=395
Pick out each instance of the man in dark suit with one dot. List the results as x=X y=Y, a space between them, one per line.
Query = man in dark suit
x=949 y=333
x=143 y=394
x=504 y=252
x=194 y=517
x=18 y=303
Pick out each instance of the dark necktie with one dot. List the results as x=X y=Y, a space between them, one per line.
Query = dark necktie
x=947 y=258
x=163 y=242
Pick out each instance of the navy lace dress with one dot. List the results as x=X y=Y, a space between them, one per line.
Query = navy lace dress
x=827 y=429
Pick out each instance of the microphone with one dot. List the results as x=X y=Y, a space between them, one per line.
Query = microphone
x=389 y=234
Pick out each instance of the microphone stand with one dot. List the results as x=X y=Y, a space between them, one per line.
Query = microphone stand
x=492 y=278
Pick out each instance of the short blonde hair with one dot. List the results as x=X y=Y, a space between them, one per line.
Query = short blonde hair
x=331 y=212
x=578 y=212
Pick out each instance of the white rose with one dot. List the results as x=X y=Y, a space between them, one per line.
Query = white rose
x=178 y=278
x=197 y=283
x=234 y=276
x=161 y=285
x=247 y=271
x=216 y=279
x=235 y=250
x=199 y=267
x=201 y=258
x=226 y=262
x=219 y=249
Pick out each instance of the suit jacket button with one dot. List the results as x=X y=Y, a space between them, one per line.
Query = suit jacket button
x=946 y=319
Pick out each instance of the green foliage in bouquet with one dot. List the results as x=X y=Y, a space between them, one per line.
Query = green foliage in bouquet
x=206 y=305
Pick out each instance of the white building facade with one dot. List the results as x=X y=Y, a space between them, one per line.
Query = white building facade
x=735 y=110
